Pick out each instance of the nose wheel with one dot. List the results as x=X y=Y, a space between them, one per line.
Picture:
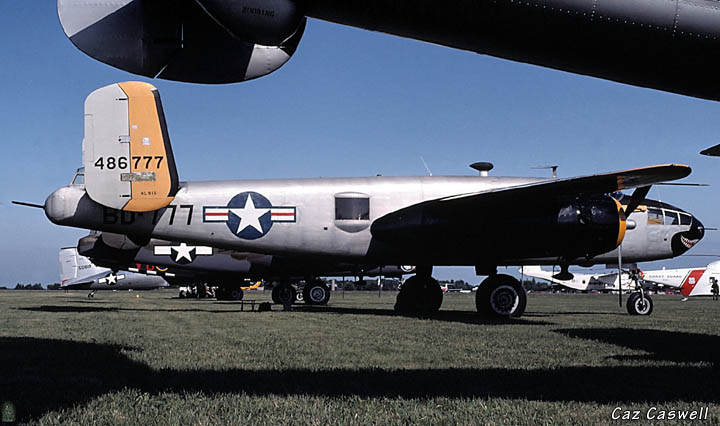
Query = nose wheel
x=501 y=296
x=639 y=304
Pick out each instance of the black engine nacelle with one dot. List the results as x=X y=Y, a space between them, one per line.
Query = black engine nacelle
x=266 y=22
x=501 y=231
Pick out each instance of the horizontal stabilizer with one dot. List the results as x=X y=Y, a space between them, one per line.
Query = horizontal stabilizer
x=128 y=160
x=172 y=40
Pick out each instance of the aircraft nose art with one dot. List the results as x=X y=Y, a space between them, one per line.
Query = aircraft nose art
x=684 y=241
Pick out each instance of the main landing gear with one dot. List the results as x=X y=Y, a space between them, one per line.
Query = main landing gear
x=498 y=296
x=419 y=294
x=91 y=294
x=638 y=303
x=229 y=292
x=501 y=295
x=315 y=292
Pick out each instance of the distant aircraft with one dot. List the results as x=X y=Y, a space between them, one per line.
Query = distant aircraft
x=691 y=281
x=188 y=264
x=579 y=282
x=131 y=187
x=661 y=44
x=79 y=273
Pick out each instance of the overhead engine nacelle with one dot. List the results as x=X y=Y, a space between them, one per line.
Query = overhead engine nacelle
x=207 y=41
x=267 y=22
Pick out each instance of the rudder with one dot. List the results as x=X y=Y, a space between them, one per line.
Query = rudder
x=128 y=160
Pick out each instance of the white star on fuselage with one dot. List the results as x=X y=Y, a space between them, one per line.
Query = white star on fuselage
x=249 y=216
x=183 y=252
x=112 y=279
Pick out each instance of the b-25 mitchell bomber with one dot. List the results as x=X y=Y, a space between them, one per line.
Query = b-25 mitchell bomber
x=131 y=187
x=663 y=44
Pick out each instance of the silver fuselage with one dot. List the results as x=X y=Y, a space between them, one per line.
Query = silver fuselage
x=315 y=230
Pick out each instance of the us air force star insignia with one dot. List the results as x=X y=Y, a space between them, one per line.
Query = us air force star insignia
x=249 y=215
x=183 y=253
x=111 y=279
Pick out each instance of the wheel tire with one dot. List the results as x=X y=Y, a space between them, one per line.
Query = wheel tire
x=419 y=295
x=316 y=293
x=635 y=305
x=283 y=293
x=221 y=294
x=501 y=296
x=235 y=293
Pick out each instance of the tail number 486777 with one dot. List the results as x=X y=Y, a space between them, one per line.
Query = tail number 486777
x=111 y=163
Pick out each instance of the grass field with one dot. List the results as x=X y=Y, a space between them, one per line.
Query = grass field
x=156 y=359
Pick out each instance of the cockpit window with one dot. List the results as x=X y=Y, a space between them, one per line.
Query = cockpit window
x=671 y=218
x=655 y=216
x=352 y=208
x=685 y=219
x=79 y=178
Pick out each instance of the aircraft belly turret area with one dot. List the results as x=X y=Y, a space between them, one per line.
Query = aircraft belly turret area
x=351 y=223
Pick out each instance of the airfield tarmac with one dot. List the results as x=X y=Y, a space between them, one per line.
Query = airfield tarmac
x=572 y=359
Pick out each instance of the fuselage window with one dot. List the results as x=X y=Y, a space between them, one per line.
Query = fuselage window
x=352 y=209
x=685 y=219
x=655 y=216
x=671 y=218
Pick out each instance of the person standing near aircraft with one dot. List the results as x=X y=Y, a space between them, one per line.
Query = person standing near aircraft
x=714 y=288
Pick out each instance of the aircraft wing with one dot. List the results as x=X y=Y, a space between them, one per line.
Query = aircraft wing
x=595 y=184
x=461 y=216
x=713 y=151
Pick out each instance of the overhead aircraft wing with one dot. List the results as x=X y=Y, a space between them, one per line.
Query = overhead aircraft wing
x=474 y=212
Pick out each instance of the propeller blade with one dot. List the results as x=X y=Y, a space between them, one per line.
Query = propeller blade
x=637 y=197
x=22 y=203
x=620 y=266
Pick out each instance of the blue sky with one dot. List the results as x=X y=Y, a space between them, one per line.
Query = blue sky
x=349 y=103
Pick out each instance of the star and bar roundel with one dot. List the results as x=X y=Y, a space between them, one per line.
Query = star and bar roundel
x=249 y=215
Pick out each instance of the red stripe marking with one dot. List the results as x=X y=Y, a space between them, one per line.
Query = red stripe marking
x=216 y=214
x=693 y=276
x=283 y=214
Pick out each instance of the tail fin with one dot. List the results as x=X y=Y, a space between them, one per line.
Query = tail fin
x=68 y=264
x=128 y=160
x=75 y=267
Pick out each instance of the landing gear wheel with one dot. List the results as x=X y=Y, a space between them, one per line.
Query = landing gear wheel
x=221 y=294
x=419 y=295
x=283 y=294
x=316 y=293
x=501 y=296
x=229 y=293
x=637 y=306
